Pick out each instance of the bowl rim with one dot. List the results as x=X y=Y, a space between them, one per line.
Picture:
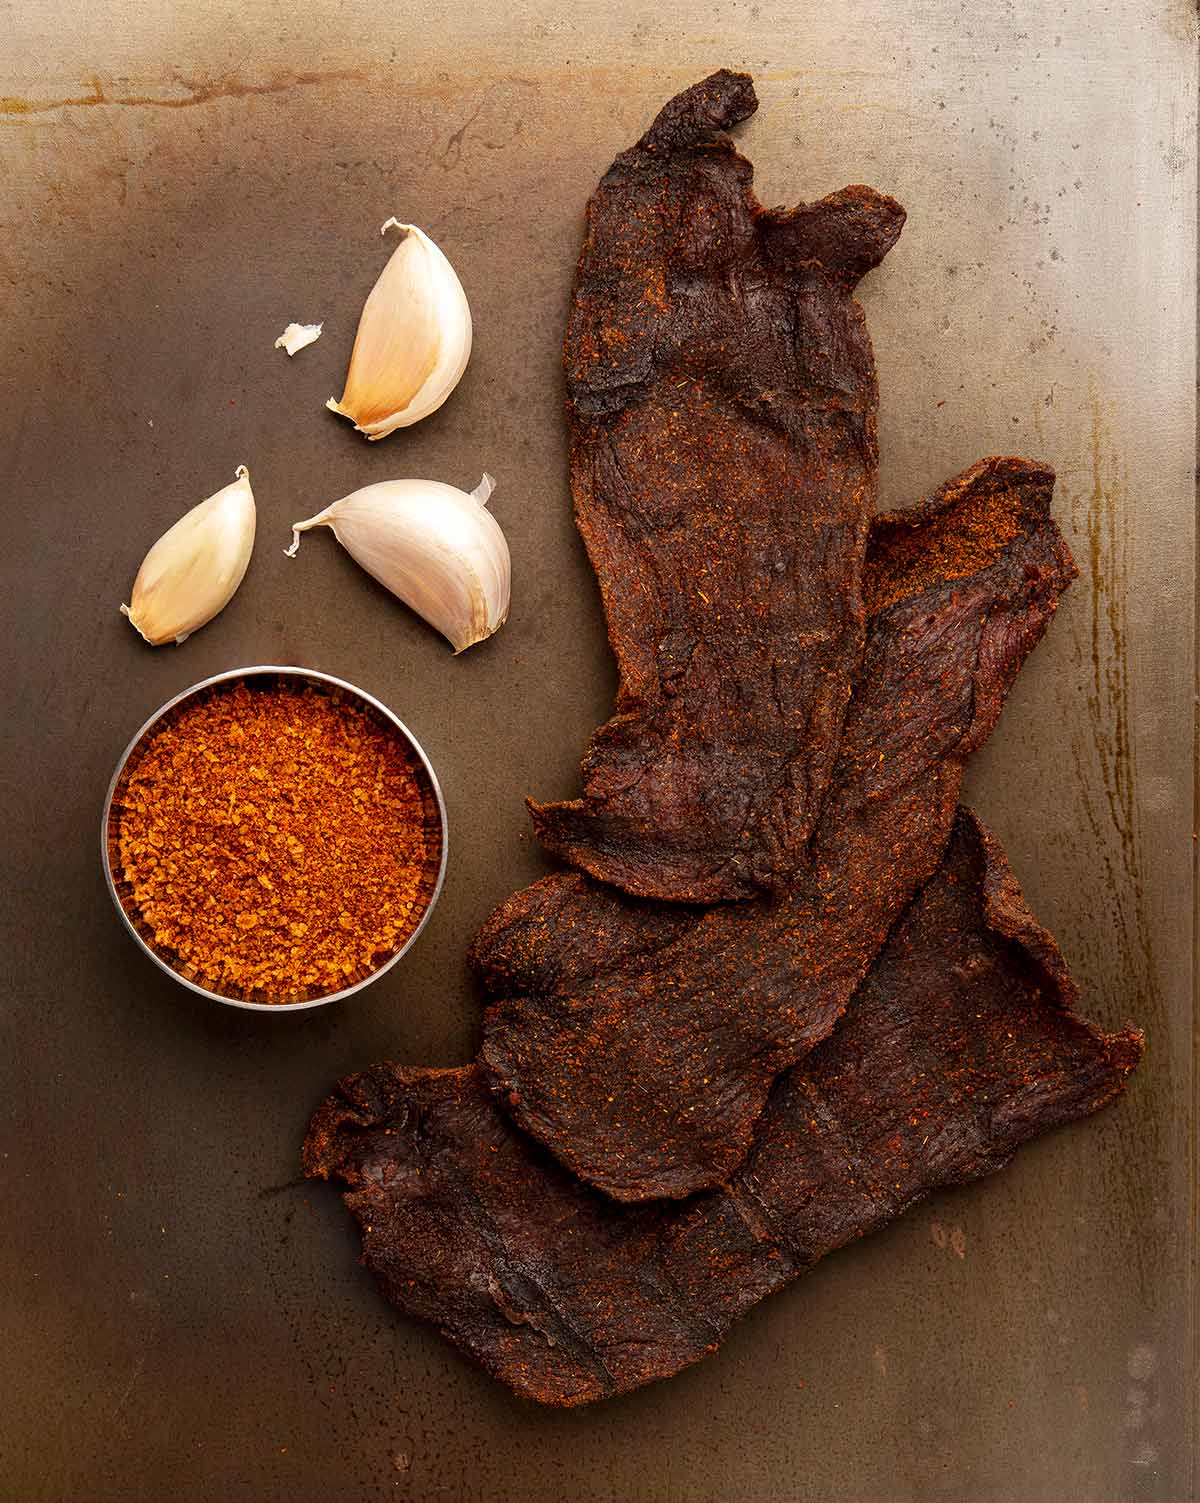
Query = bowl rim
x=311 y=675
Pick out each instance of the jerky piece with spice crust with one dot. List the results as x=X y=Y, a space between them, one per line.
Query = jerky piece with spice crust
x=960 y=1046
x=722 y=402
x=638 y=1042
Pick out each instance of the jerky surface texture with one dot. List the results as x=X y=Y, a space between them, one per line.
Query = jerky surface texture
x=722 y=404
x=960 y=1045
x=639 y=1040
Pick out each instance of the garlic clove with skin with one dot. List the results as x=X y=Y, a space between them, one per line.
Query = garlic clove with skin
x=436 y=547
x=191 y=573
x=413 y=340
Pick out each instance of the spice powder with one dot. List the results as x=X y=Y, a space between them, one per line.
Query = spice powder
x=275 y=843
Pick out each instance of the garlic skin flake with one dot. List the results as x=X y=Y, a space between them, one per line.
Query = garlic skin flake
x=298 y=337
x=191 y=573
x=436 y=547
x=413 y=340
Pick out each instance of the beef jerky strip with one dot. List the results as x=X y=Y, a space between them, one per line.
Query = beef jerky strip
x=640 y=1047
x=722 y=401
x=960 y=1045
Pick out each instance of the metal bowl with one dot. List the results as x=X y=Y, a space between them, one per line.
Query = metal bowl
x=265 y=675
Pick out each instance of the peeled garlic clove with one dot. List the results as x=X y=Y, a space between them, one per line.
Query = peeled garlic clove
x=413 y=340
x=193 y=570
x=298 y=336
x=436 y=547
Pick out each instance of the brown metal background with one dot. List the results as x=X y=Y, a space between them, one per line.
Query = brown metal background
x=182 y=1319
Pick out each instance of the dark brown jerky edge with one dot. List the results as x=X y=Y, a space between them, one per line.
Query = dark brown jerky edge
x=640 y=1045
x=691 y=417
x=961 y=1045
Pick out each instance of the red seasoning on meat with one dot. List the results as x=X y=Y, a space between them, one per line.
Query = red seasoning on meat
x=694 y=1061
x=722 y=402
x=961 y=1045
x=638 y=1042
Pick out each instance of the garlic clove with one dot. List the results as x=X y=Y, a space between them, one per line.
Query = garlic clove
x=438 y=548
x=298 y=337
x=413 y=340
x=193 y=570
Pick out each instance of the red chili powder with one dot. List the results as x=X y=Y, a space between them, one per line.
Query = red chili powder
x=275 y=843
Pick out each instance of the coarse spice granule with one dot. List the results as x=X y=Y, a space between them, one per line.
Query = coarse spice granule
x=275 y=843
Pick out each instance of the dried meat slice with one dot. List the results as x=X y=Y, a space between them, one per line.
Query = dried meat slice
x=638 y=1042
x=961 y=1045
x=722 y=403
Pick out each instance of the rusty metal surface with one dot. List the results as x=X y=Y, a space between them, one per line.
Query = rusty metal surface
x=182 y=1318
